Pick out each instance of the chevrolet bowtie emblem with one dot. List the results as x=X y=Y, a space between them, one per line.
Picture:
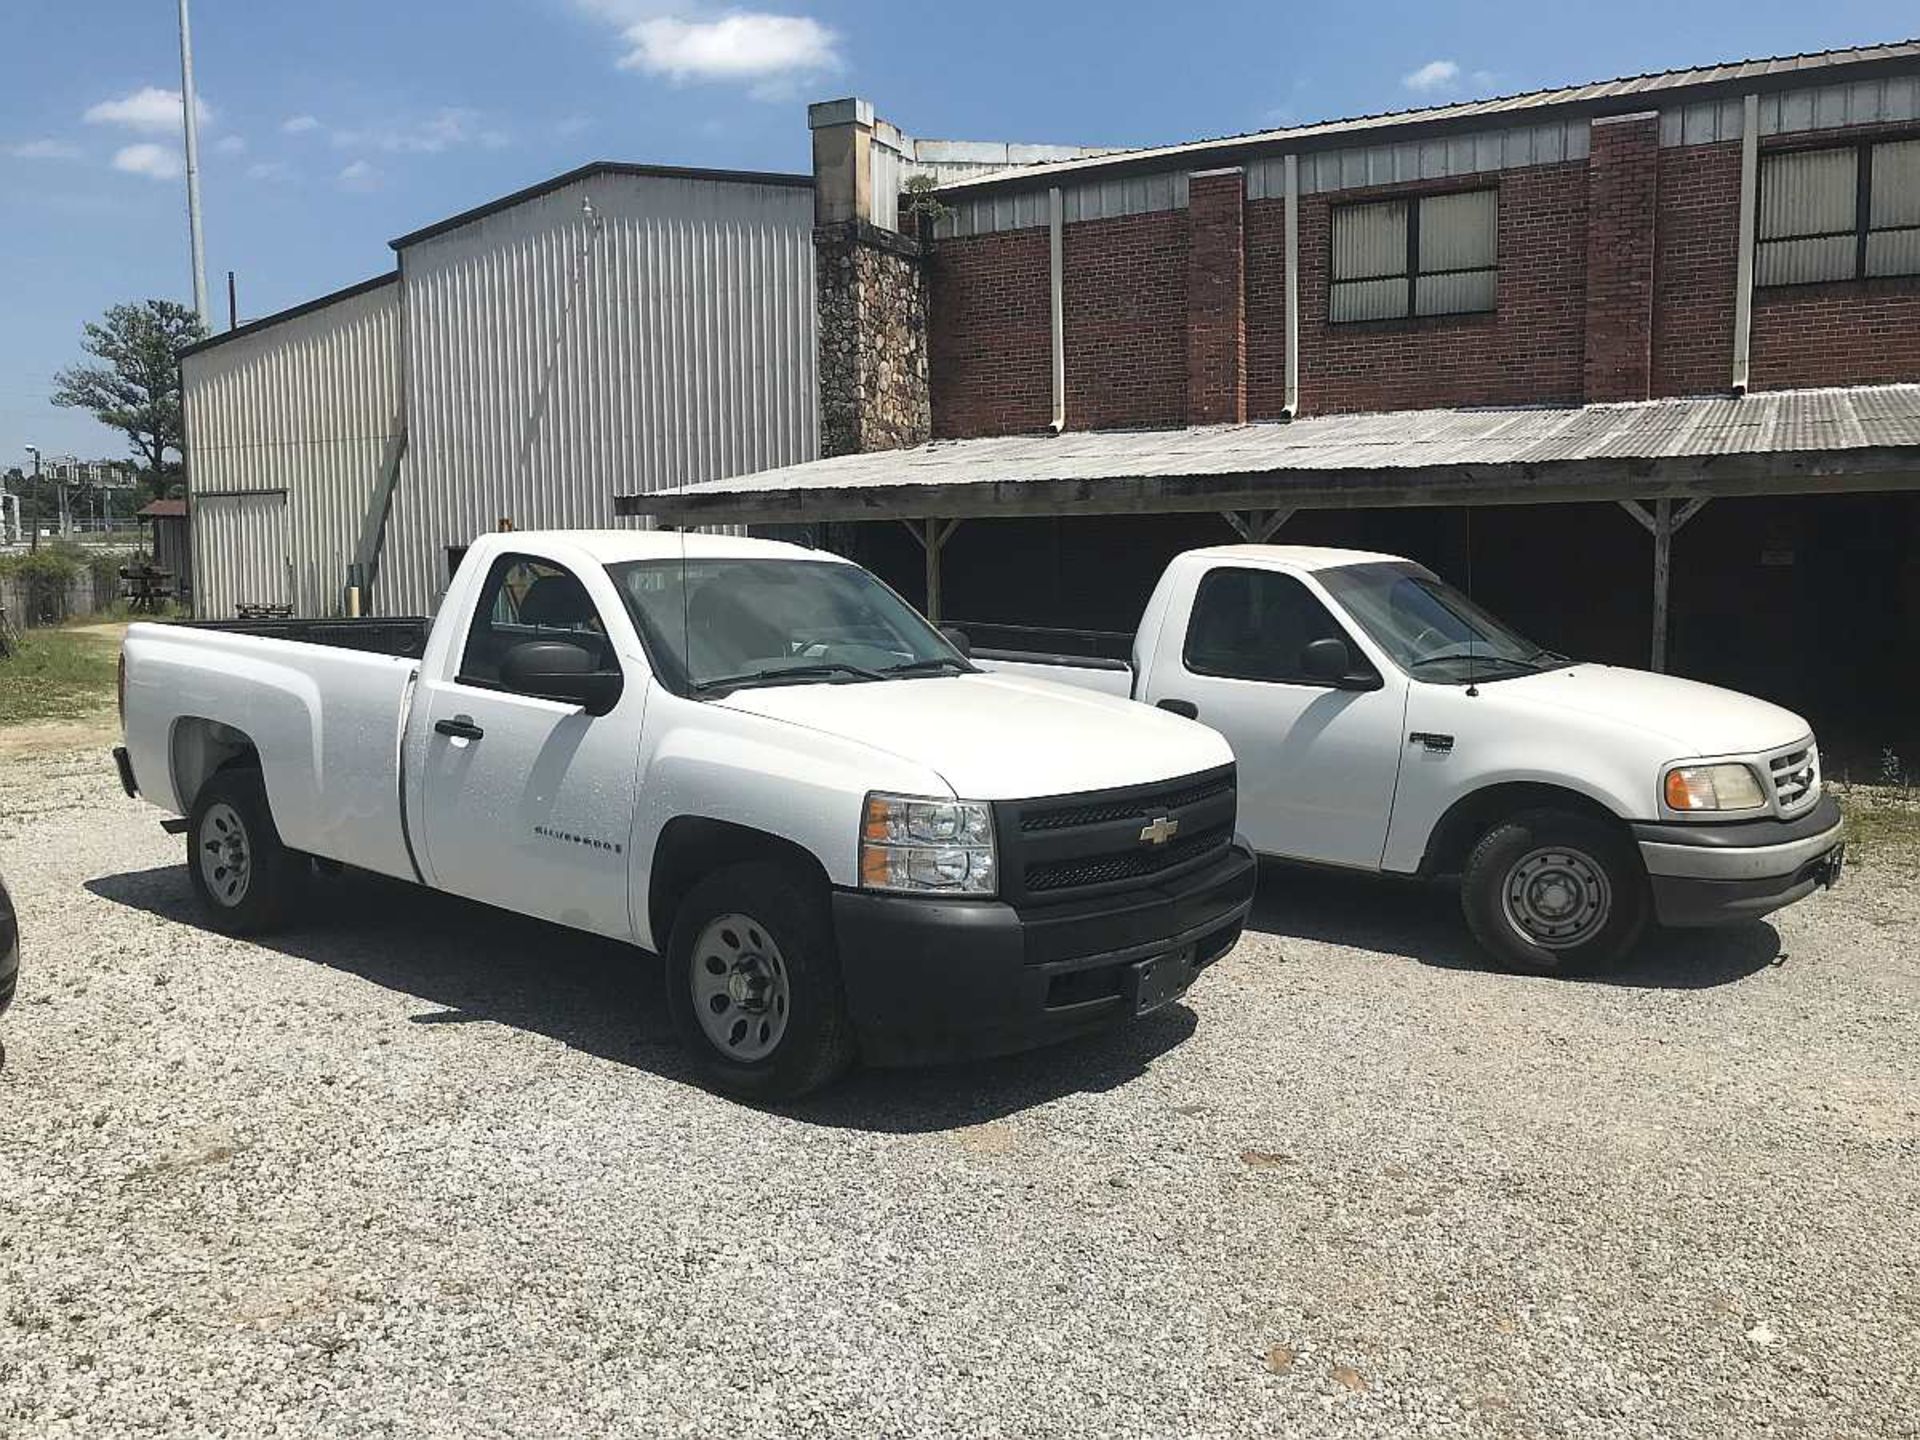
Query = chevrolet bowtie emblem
x=1159 y=832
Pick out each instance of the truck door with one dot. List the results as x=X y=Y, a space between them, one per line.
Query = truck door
x=528 y=802
x=1317 y=762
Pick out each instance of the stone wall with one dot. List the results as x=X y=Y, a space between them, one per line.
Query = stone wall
x=872 y=300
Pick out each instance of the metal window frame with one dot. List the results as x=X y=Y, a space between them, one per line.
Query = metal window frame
x=1862 y=228
x=1411 y=272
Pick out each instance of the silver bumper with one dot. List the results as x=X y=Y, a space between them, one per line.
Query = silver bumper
x=1757 y=862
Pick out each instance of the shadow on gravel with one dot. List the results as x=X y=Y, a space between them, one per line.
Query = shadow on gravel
x=607 y=999
x=1422 y=922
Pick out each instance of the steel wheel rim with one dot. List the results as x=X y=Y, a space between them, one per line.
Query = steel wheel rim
x=225 y=854
x=1557 y=897
x=741 y=992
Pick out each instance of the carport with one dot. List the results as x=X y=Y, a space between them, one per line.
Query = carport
x=1661 y=461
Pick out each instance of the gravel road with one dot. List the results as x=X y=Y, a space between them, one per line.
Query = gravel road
x=419 y=1168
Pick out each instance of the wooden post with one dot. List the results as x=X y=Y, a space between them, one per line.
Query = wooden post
x=933 y=536
x=1663 y=522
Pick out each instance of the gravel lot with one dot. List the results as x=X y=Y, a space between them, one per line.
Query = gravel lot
x=423 y=1169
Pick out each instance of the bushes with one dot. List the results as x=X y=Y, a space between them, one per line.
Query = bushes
x=37 y=588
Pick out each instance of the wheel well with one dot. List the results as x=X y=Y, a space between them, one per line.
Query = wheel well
x=201 y=747
x=1473 y=815
x=693 y=847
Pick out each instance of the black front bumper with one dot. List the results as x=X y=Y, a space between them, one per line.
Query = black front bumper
x=9 y=949
x=930 y=980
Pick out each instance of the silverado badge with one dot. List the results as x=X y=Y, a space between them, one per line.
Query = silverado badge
x=1159 y=832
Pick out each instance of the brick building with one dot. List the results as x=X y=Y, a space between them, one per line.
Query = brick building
x=1738 y=229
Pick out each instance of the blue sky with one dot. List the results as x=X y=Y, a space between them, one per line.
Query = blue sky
x=333 y=127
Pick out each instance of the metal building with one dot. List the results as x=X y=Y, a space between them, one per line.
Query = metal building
x=619 y=328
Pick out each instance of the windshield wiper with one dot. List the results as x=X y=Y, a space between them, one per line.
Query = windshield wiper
x=1475 y=660
x=929 y=665
x=787 y=672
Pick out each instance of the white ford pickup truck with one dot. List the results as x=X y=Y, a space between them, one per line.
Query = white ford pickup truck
x=1385 y=722
x=752 y=758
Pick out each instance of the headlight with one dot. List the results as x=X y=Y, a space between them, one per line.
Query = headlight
x=1713 y=787
x=927 y=846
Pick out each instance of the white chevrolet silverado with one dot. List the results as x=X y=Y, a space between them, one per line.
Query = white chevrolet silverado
x=753 y=758
x=1383 y=721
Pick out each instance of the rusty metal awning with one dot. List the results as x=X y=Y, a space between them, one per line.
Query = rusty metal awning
x=1778 y=443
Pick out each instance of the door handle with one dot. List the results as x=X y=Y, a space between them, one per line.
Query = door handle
x=1184 y=708
x=460 y=726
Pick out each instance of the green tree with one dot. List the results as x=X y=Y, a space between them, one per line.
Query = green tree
x=136 y=388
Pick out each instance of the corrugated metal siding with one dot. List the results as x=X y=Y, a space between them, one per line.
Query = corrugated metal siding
x=243 y=550
x=1830 y=107
x=1802 y=194
x=306 y=407
x=555 y=360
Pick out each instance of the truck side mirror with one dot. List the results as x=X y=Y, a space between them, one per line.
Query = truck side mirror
x=1330 y=662
x=958 y=638
x=560 y=670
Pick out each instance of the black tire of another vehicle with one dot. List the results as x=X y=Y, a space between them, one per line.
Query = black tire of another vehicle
x=1551 y=892
x=246 y=879
x=753 y=944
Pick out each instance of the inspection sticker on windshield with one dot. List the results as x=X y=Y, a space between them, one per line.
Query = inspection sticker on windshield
x=1162 y=979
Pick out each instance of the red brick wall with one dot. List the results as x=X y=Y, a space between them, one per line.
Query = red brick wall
x=1531 y=349
x=990 y=335
x=1125 y=296
x=1623 y=172
x=1696 y=258
x=1216 y=299
x=1851 y=333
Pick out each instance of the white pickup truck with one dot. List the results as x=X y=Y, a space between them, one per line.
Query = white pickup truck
x=1385 y=722
x=753 y=758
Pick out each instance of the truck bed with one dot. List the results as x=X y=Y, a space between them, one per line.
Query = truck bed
x=1087 y=659
x=405 y=637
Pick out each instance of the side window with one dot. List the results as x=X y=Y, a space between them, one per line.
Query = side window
x=1254 y=625
x=526 y=599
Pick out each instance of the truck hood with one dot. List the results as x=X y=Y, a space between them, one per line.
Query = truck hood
x=1000 y=737
x=1698 y=719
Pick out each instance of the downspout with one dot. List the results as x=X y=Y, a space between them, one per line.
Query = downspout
x=1055 y=217
x=1749 y=206
x=1292 y=406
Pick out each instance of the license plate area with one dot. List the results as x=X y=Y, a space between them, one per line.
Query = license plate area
x=1831 y=864
x=1161 y=980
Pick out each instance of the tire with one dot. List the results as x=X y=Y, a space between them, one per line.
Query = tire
x=246 y=879
x=753 y=983
x=1552 y=892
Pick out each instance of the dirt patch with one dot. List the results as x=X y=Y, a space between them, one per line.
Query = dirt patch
x=98 y=730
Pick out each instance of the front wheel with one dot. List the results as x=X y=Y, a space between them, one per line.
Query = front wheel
x=1551 y=892
x=753 y=982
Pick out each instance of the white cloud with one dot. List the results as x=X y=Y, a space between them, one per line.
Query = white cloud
x=445 y=129
x=745 y=45
x=358 y=175
x=230 y=145
x=44 y=150
x=156 y=162
x=271 y=170
x=151 y=111
x=300 y=124
x=1433 y=76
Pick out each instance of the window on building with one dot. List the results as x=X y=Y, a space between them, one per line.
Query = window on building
x=1432 y=255
x=1847 y=213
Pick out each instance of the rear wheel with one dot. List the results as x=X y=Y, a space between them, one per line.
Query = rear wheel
x=1551 y=892
x=754 y=983
x=247 y=880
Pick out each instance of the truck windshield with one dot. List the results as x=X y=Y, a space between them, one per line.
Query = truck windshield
x=713 y=625
x=1431 y=630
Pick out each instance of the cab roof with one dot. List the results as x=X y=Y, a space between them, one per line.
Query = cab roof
x=1298 y=557
x=612 y=547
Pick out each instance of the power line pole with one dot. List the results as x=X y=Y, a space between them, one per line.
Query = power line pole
x=190 y=108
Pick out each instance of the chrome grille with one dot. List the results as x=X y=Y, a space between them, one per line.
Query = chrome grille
x=1795 y=776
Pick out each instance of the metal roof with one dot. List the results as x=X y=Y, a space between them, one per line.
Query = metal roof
x=1796 y=441
x=292 y=312
x=162 y=510
x=1621 y=95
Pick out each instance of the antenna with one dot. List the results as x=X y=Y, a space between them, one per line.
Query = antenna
x=1466 y=520
x=686 y=624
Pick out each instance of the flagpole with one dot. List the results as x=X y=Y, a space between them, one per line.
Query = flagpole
x=190 y=110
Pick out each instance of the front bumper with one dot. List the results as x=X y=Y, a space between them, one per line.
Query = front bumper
x=9 y=949
x=930 y=980
x=1707 y=874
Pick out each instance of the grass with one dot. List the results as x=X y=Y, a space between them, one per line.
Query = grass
x=1883 y=825
x=57 y=675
